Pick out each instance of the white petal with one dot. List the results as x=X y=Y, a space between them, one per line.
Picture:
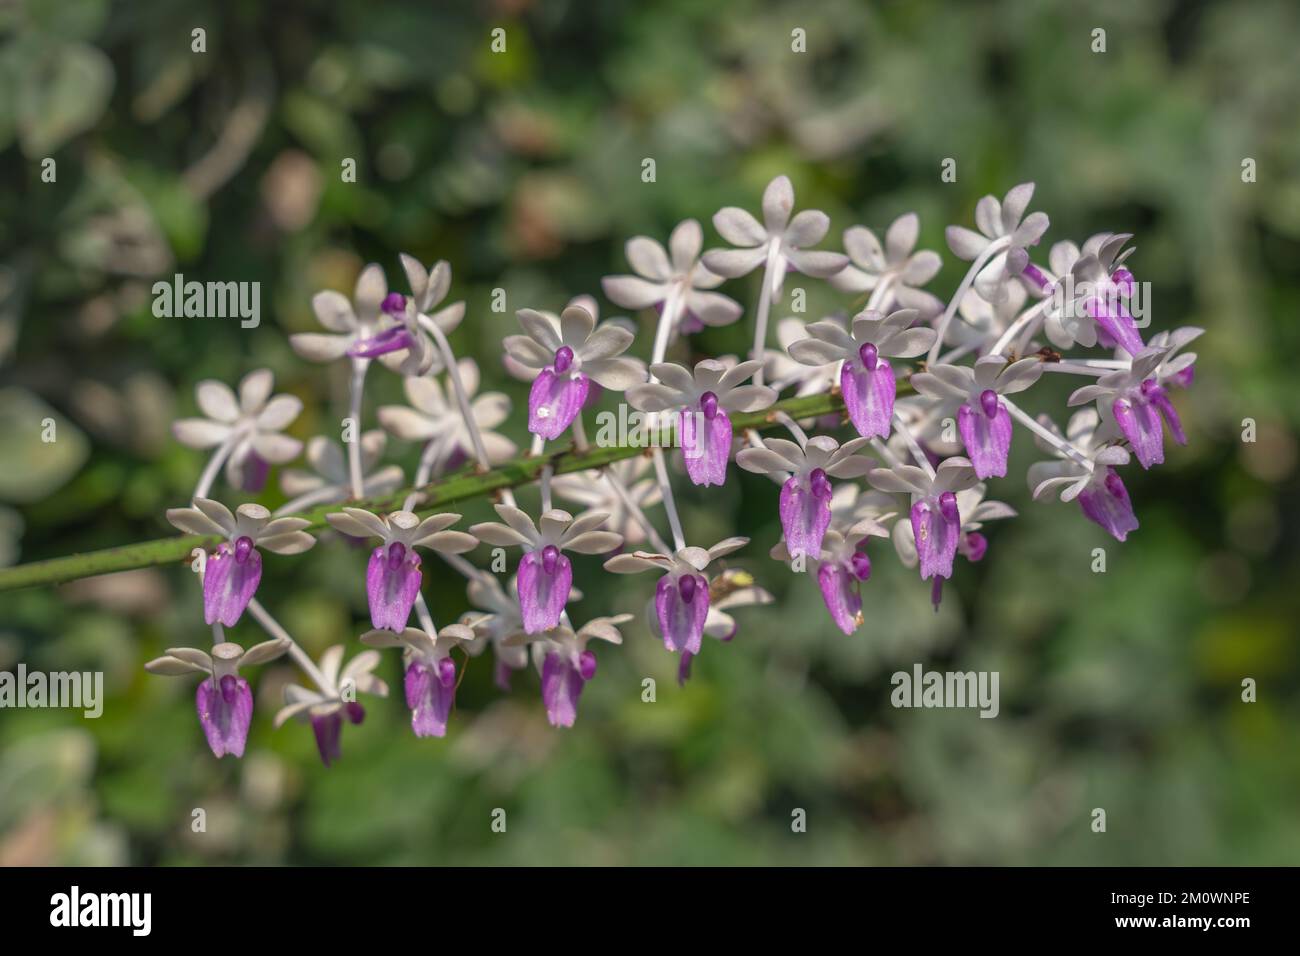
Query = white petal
x=255 y=389
x=279 y=412
x=217 y=401
x=618 y=374
x=685 y=244
x=807 y=228
x=648 y=258
x=276 y=448
x=900 y=239
x=964 y=243
x=334 y=311
x=576 y=324
x=632 y=292
x=734 y=263
x=540 y=328
x=738 y=227
x=199 y=432
x=778 y=203
x=318 y=347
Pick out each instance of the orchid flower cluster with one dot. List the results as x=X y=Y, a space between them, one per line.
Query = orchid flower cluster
x=926 y=390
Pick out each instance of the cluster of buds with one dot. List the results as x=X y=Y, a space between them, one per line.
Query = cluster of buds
x=928 y=420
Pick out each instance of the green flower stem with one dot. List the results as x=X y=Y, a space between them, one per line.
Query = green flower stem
x=436 y=496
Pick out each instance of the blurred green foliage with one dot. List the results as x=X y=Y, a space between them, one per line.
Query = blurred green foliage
x=1119 y=690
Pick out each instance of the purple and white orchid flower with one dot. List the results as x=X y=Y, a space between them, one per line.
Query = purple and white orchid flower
x=867 y=379
x=841 y=566
x=334 y=699
x=681 y=601
x=248 y=427
x=545 y=574
x=430 y=677
x=1099 y=489
x=565 y=663
x=972 y=544
x=728 y=591
x=1093 y=295
x=231 y=574
x=782 y=238
x=433 y=419
x=676 y=272
x=936 y=520
x=982 y=420
x=894 y=265
x=805 y=473
x=701 y=401
x=393 y=575
x=383 y=325
x=1006 y=224
x=570 y=356
x=223 y=699
x=1136 y=401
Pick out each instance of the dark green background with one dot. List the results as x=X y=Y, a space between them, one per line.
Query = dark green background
x=1120 y=691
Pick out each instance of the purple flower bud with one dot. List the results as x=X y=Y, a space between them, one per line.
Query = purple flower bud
x=587 y=665
x=354 y=712
x=447 y=672
x=394 y=304
x=860 y=565
x=225 y=709
x=869 y=355
x=989 y=402
x=974 y=545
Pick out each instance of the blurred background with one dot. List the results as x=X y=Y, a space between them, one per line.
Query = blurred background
x=523 y=169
